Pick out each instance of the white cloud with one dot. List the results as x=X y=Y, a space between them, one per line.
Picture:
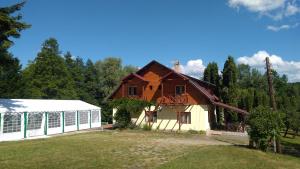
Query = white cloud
x=291 y=9
x=282 y=27
x=276 y=9
x=193 y=68
x=257 y=5
x=290 y=68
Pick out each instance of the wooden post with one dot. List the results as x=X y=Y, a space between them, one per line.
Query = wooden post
x=179 y=121
x=162 y=90
x=123 y=90
x=277 y=146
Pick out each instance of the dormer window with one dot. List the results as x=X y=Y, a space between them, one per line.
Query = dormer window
x=180 y=89
x=132 y=90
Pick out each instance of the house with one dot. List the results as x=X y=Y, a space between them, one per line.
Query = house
x=182 y=102
x=25 y=118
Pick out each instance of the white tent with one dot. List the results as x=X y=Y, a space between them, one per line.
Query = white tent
x=23 y=118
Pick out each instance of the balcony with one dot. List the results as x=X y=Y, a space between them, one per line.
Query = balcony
x=137 y=97
x=173 y=100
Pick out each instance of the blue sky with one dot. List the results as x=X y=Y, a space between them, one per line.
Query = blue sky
x=193 y=32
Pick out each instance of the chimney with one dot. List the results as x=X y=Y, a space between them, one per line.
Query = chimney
x=177 y=66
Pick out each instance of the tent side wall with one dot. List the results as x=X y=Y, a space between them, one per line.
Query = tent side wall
x=16 y=126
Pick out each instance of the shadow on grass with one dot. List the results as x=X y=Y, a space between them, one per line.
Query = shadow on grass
x=290 y=146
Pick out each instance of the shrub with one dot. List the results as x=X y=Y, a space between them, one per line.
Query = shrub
x=192 y=131
x=264 y=125
x=202 y=132
x=132 y=126
x=123 y=118
x=146 y=127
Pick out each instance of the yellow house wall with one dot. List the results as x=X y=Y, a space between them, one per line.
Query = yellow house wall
x=167 y=118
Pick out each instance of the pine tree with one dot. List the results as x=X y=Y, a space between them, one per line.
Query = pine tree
x=91 y=83
x=10 y=25
x=10 y=76
x=229 y=88
x=10 y=68
x=211 y=74
x=47 y=76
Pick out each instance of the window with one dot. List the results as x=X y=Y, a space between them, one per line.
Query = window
x=151 y=116
x=12 y=123
x=132 y=91
x=151 y=87
x=180 y=90
x=35 y=121
x=70 y=118
x=185 y=117
x=54 y=120
x=95 y=116
x=84 y=117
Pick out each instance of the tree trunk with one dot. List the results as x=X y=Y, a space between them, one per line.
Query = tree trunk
x=251 y=143
x=278 y=146
x=286 y=130
x=296 y=133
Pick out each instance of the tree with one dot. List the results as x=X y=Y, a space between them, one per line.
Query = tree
x=229 y=88
x=265 y=126
x=244 y=75
x=126 y=108
x=10 y=26
x=47 y=76
x=91 y=83
x=110 y=72
x=211 y=75
x=77 y=69
x=10 y=76
x=10 y=68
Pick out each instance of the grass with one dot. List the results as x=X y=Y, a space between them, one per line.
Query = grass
x=291 y=145
x=229 y=157
x=134 y=149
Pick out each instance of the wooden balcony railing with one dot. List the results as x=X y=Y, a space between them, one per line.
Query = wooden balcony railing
x=173 y=100
x=137 y=97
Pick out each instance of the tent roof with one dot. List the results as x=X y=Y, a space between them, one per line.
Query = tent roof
x=43 y=105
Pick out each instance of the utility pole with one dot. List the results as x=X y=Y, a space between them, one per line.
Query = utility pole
x=276 y=141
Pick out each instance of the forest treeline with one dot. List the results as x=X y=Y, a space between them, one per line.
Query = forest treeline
x=54 y=74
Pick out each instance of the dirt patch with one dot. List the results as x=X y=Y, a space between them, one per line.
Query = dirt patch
x=197 y=141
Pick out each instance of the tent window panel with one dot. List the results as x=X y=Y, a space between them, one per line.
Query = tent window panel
x=84 y=117
x=95 y=116
x=35 y=121
x=70 y=118
x=54 y=120
x=12 y=123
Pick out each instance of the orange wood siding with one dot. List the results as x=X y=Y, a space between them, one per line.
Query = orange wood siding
x=154 y=74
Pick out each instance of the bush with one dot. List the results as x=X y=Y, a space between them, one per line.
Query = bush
x=264 y=125
x=146 y=127
x=132 y=126
x=193 y=132
x=202 y=132
x=123 y=118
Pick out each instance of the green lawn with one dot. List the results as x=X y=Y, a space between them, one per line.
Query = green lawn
x=135 y=149
x=231 y=157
